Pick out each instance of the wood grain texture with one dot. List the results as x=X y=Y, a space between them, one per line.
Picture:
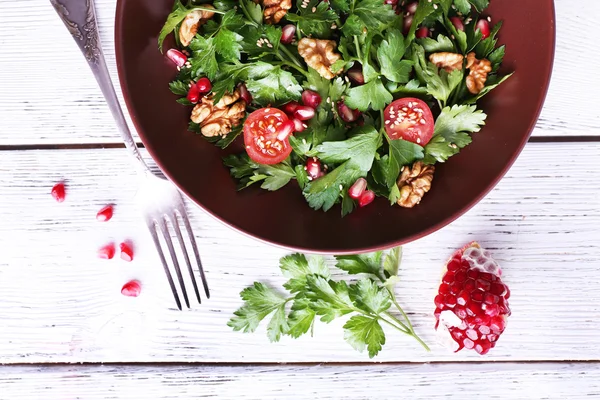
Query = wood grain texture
x=61 y=304
x=49 y=96
x=506 y=381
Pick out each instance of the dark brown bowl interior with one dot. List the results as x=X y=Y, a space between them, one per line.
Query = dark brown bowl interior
x=283 y=218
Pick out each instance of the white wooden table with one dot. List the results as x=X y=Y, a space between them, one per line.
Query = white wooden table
x=66 y=332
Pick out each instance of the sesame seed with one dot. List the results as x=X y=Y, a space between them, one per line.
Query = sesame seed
x=402 y=169
x=452 y=36
x=178 y=68
x=269 y=45
x=435 y=6
x=303 y=141
x=247 y=147
x=277 y=115
x=489 y=19
x=314 y=9
x=328 y=100
x=341 y=187
x=308 y=177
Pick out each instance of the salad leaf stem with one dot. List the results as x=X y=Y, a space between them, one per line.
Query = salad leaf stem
x=291 y=65
x=292 y=57
x=209 y=9
x=357 y=47
x=249 y=19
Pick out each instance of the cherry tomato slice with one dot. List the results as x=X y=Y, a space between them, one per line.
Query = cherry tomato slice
x=260 y=136
x=409 y=119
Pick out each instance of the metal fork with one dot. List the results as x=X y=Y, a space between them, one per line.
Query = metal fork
x=160 y=201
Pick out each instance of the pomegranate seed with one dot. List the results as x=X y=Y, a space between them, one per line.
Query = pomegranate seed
x=469 y=285
x=483 y=346
x=449 y=277
x=290 y=107
x=492 y=310
x=498 y=289
x=407 y=24
x=193 y=94
x=367 y=198
x=204 y=85
x=484 y=27
x=346 y=113
x=444 y=288
x=463 y=298
x=356 y=76
x=285 y=130
x=107 y=252
x=304 y=113
x=477 y=296
x=244 y=93
x=472 y=334
x=287 y=33
x=458 y=23
x=311 y=99
x=472 y=273
x=492 y=337
x=491 y=298
x=105 y=213
x=299 y=126
x=453 y=265
x=177 y=57
x=422 y=32
x=450 y=300
x=126 y=251
x=58 y=192
x=468 y=343
x=460 y=276
x=313 y=167
x=411 y=8
x=131 y=289
x=482 y=284
x=391 y=2
x=460 y=312
x=455 y=288
x=485 y=330
x=357 y=189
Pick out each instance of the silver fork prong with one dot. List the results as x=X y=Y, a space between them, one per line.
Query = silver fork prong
x=188 y=228
x=152 y=227
x=185 y=255
x=163 y=226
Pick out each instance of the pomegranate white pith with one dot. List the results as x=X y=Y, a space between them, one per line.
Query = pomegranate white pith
x=472 y=301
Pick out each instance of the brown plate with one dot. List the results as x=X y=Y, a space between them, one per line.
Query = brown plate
x=283 y=217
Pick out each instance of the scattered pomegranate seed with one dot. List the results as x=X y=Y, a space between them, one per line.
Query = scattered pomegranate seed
x=411 y=8
x=193 y=94
x=131 y=289
x=313 y=168
x=107 y=252
x=407 y=24
x=204 y=85
x=355 y=75
x=357 y=188
x=287 y=33
x=304 y=113
x=58 y=192
x=126 y=251
x=346 y=113
x=422 y=32
x=285 y=130
x=299 y=126
x=391 y=2
x=177 y=57
x=484 y=27
x=472 y=303
x=290 y=107
x=367 y=198
x=311 y=99
x=244 y=93
x=458 y=23
x=105 y=213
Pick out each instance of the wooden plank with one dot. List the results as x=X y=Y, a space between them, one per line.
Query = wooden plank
x=61 y=304
x=506 y=381
x=49 y=96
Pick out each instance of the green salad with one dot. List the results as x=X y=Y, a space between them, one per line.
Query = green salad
x=352 y=99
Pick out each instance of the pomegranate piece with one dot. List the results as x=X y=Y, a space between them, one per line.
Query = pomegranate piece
x=285 y=130
x=311 y=99
x=304 y=113
x=204 y=85
x=244 y=93
x=366 y=198
x=484 y=27
x=193 y=93
x=126 y=251
x=287 y=34
x=290 y=107
x=131 y=289
x=58 y=192
x=346 y=113
x=313 y=168
x=458 y=23
x=107 y=252
x=299 y=126
x=105 y=213
x=422 y=32
x=358 y=188
x=356 y=76
x=177 y=57
x=472 y=301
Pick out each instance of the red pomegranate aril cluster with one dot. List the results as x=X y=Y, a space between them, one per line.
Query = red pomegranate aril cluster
x=472 y=300
x=197 y=89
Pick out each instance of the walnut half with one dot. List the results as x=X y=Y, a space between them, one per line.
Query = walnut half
x=448 y=61
x=191 y=22
x=319 y=54
x=414 y=182
x=275 y=10
x=479 y=70
x=218 y=119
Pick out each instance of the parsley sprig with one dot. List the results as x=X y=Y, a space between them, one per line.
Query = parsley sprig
x=314 y=293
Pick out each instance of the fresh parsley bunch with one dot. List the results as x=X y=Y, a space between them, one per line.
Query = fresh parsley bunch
x=313 y=294
x=238 y=47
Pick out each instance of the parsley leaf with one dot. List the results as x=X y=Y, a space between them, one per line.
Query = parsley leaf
x=227 y=44
x=260 y=301
x=252 y=10
x=402 y=152
x=440 y=44
x=270 y=84
x=204 y=58
x=391 y=262
x=452 y=129
x=359 y=149
x=369 y=296
x=325 y=191
x=316 y=24
x=177 y=15
x=364 y=332
x=390 y=53
x=374 y=15
x=273 y=177
x=179 y=88
x=297 y=267
x=442 y=84
x=301 y=318
x=372 y=94
x=329 y=299
x=492 y=83
x=369 y=263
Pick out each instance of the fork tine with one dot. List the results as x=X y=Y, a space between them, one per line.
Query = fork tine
x=185 y=255
x=163 y=226
x=188 y=228
x=152 y=228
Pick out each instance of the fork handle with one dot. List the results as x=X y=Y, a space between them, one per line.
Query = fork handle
x=80 y=19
